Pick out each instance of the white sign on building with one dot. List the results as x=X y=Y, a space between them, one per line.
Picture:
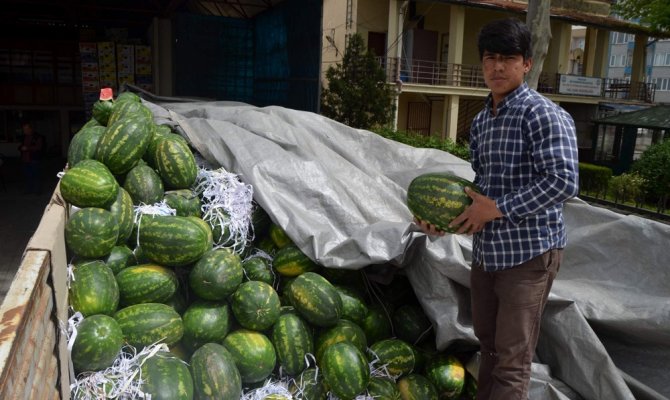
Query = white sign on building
x=580 y=85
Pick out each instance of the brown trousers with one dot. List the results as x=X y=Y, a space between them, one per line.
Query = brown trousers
x=507 y=308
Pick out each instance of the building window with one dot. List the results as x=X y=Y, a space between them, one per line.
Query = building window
x=612 y=61
x=667 y=59
x=659 y=59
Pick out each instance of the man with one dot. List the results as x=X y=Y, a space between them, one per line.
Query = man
x=31 y=147
x=524 y=154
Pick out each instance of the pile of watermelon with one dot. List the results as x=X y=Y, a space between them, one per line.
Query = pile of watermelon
x=230 y=320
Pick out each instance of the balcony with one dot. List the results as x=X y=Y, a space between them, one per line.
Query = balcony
x=470 y=76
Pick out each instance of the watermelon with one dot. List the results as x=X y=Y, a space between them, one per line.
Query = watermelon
x=214 y=373
x=101 y=111
x=148 y=323
x=260 y=220
x=258 y=269
x=122 y=209
x=410 y=323
x=161 y=133
x=204 y=322
x=279 y=236
x=383 y=389
x=447 y=373
x=396 y=355
x=176 y=164
x=173 y=241
x=353 y=305
x=99 y=340
x=438 y=198
x=309 y=385
x=89 y=184
x=128 y=96
x=144 y=185
x=216 y=275
x=119 y=258
x=267 y=245
x=345 y=370
x=166 y=377
x=293 y=341
x=124 y=143
x=146 y=283
x=253 y=353
x=93 y=289
x=343 y=331
x=91 y=232
x=184 y=201
x=129 y=109
x=416 y=387
x=178 y=301
x=376 y=324
x=315 y=299
x=255 y=305
x=290 y=261
x=83 y=144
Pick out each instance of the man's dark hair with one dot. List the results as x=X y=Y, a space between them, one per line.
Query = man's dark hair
x=507 y=37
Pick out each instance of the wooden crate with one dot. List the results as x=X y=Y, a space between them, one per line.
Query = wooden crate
x=34 y=362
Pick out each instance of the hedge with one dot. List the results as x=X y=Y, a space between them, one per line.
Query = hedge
x=594 y=178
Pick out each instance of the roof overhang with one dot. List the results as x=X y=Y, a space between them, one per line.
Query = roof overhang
x=573 y=16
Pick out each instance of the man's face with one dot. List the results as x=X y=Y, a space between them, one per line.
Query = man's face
x=504 y=73
x=27 y=129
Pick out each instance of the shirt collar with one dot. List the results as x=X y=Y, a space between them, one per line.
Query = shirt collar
x=511 y=98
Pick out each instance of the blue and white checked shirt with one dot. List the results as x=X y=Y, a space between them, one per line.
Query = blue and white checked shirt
x=524 y=158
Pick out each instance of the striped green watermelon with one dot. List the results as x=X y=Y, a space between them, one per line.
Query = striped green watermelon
x=447 y=373
x=206 y=321
x=416 y=387
x=93 y=289
x=315 y=299
x=279 y=236
x=83 y=144
x=258 y=269
x=376 y=324
x=292 y=339
x=128 y=109
x=255 y=305
x=345 y=370
x=343 y=331
x=91 y=232
x=411 y=324
x=119 y=258
x=144 y=185
x=253 y=353
x=101 y=111
x=124 y=143
x=162 y=132
x=438 y=198
x=309 y=385
x=166 y=377
x=178 y=301
x=383 y=389
x=89 y=184
x=290 y=261
x=396 y=355
x=91 y=122
x=215 y=375
x=128 y=96
x=122 y=209
x=148 y=323
x=353 y=304
x=185 y=201
x=173 y=241
x=260 y=220
x=99 y=340
x=216 y=275
x=267 y=245
x=146 y=283
x=176 y=164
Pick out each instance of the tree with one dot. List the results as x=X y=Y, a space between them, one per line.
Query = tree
x=357 y=93
x=654 y=167
x=655 y=13
x=538 y=21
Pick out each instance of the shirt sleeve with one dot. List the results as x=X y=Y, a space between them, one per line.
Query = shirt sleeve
x=553 y=146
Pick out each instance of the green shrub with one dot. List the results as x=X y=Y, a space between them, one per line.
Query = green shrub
x=654 y=167
x=460 y=150
x=593 y=179
x=627 y=187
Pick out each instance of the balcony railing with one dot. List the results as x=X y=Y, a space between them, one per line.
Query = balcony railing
x=462 y=75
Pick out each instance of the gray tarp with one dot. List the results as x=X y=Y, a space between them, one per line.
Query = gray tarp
x=340 y=195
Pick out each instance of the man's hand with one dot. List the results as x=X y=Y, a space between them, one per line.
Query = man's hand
x=475 y=216
x=428 y=229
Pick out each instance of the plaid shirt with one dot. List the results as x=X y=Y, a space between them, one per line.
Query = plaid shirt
x=524 y=158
